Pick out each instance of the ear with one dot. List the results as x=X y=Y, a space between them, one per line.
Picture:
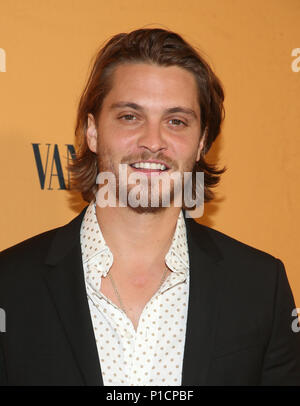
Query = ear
x=91 y=134
x=201 y=144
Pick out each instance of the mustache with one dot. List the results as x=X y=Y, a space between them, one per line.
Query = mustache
x=145 y=156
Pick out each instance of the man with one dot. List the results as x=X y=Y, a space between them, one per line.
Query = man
x=126 y=295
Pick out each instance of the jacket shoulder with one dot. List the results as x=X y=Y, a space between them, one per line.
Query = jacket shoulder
x=36 y=247
x=230 y=247
x=33 y=248
x=245 y=265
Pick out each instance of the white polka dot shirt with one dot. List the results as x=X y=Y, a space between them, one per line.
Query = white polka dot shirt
x=152 y=354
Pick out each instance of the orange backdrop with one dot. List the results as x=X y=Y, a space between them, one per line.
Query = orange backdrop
x=45 y=52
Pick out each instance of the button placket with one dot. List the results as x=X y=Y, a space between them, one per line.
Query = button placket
x=146 y=335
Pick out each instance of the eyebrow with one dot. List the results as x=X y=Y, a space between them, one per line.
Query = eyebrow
x=135 y=106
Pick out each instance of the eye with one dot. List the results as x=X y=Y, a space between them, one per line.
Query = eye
x=177 y=122
x=128 y=117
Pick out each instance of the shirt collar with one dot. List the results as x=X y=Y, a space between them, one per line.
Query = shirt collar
x=99 y=258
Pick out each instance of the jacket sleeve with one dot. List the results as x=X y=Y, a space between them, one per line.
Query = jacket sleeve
x=281 y=364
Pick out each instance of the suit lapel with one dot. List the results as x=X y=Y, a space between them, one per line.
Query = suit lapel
x=205 y=285
x=65 y=280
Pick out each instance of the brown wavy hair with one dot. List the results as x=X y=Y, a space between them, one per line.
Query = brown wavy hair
x=163 y=48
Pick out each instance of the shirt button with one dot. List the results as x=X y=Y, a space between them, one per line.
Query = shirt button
x=128 y=335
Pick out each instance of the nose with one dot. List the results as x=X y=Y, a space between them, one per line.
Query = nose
x=152 y=138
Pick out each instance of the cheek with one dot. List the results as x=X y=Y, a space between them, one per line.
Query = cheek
x=113 y=143
x=117 y=133
x=186 y=152
x=120 y=149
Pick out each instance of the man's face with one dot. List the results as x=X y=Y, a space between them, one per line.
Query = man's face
x=150 y=116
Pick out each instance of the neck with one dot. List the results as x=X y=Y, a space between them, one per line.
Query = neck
x=130 y=235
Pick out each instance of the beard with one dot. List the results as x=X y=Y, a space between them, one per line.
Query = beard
x=107 y=163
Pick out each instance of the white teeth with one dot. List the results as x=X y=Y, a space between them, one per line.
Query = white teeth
x=148 y=165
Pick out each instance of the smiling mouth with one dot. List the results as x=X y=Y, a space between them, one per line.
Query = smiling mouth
x=149 y=166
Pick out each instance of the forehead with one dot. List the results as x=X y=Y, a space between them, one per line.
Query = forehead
x=153 y=85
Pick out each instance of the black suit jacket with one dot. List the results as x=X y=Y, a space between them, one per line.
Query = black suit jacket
x=239 y=327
